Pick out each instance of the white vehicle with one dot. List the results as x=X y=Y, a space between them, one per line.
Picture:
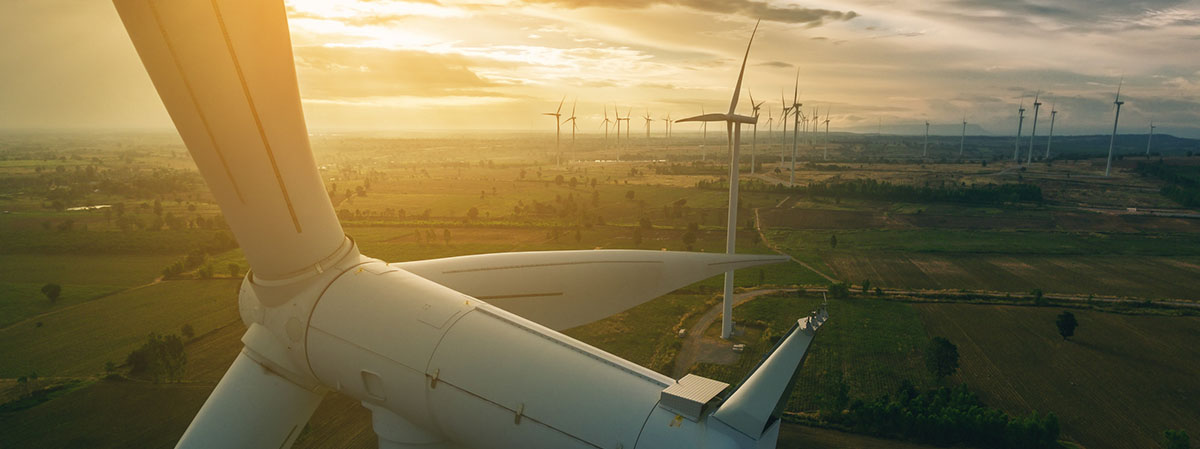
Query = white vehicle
x=461 y=352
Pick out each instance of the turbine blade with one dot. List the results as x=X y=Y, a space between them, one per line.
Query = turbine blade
x=761 y=398
x=225 y=72
x=560 y=103
x=251 y=407
x=714 y=117
x=737 y=88
x=564 y=289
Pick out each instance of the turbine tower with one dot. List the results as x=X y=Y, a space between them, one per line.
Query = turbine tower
x=574 y=126
x=1020 y=121
x=733 y=128
x=963 y=140
x=796 y=113
x=704 y=140
x=754 y=136
x=648 y=120
x=436 y=367
x=827 y=108
x=617 y=116
x=783 y=137
x=1033 y=132
x=1151 y=138
x=1116 y=118
x=557 y=129
x=925 y=150
x=605 y=125
x=667 y=130
x=1053 y=114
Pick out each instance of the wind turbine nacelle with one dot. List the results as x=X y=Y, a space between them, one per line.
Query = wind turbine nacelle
x=402 y=343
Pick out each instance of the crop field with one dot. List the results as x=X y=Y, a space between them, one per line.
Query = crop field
x=1129 y=276
x=1118 y=383
x=79 y=340
x=868 y=345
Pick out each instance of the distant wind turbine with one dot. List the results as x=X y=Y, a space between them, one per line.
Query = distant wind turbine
x=704 y=140
x=783 y=137
x=925 y=151
x=1151 y=138
x=1020 y=121
x=605 y=125
x=827 y=108
x=733 y=127
x=574 y=126
x=557 y=126
x=796 y=113
x=648 y=120
x=770 y=131
x=754 y=137
x=1033 y=133
x=1053 y=113
x=1116 y=118
x=962 y=141
x=667 y=130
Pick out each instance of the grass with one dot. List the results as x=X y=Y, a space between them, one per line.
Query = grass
x=77 y=341
x=645 y=334
x=1118 y=383
x=870 y=345
x=958 y=241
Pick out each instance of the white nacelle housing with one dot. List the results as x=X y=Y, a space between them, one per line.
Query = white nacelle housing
x=481 y=376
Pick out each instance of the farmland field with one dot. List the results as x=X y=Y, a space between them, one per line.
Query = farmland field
x=1118 y=383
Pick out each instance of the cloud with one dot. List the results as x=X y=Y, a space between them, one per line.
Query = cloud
x=350 y=72
x=777 y=64
x=810 y=17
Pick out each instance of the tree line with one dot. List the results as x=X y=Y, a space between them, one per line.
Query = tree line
x=1182 y=182
x=871 y=189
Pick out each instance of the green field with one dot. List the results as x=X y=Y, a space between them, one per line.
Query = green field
x=1118 y=383
x=79 y=340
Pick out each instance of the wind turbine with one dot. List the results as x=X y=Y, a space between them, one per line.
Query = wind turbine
x=786 y=111
x=795 y=125
x=648 y=120
x=574 y=126
x=557 y=129
x=436 y=366
x=627 y=125
x=770 y=130
x=963 y=140
x=827 y=108
x=754 y=137
x=1151 y=138
x=925 y=151
x=667 y=130
x=617 y=115
x=704 y=140
x=1053 y=114
x=733 y=128
x=1020 y=121
x=1033 y=133
x=1116 y=118
x=605 y=125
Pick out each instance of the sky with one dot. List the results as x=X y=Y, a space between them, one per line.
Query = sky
x=385 y=65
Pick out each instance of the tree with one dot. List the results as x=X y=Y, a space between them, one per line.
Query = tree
x=1066 y=324
x=161 y=358
x=187 y=331
x=1177 y=439
x=629 y=195
x=833 y=241
x=473 y=213
x=839 y=290
x=52 y=291
x=645 y=223
x=234 y=269
x=446 y=235
x=637 y=236
x=866 y=286
x=941 y=357
x=1039 y=298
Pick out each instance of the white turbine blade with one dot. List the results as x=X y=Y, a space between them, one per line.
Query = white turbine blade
x=714 y=117
x=737 y=88
x=251 y=407
x=564 y=289
x=225 y=72
x=761 y=398
x=560 y=103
